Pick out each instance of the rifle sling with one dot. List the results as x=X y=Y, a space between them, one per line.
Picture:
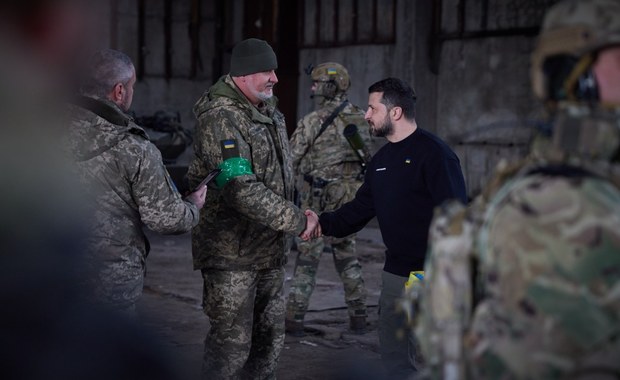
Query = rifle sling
x=331 y=117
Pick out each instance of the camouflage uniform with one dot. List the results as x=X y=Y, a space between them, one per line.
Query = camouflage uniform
x=544 y=242
x=243 y=238
x=331 y=175
x=542 y=245
x=128 y=187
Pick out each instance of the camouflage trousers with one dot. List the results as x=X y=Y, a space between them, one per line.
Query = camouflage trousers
x=304 y=279
x=246 y=313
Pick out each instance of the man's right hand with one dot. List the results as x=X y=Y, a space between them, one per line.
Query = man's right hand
x=198 y=197
x=313 y=227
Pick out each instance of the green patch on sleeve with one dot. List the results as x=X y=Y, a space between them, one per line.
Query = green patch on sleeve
x=231 y=168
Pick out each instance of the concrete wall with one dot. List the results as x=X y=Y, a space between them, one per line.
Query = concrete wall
x=485 y=106
x=469 y=64
x=366 y=63
x=177 y=90
x=154 y=91
x=484 y=103
x=473 y=89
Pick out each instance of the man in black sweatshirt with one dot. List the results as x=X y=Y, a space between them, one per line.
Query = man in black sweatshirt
x=405 y=180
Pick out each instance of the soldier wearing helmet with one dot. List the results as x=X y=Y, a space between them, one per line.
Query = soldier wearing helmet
x=523 y=283
x=330 y=80
x=330 y=174
x=565 y=58
x=576 y=70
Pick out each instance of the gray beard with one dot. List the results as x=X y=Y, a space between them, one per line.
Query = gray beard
x=263 y=96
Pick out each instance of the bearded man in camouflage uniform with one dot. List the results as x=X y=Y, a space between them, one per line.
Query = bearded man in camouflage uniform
x=125 y=179
x=542 y=242
x=332 y=173
x=241 y=244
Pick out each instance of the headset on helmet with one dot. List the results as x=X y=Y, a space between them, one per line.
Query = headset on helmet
x=572 y=33
x=332 y=72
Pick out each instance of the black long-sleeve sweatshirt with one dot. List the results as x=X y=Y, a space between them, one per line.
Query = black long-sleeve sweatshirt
x=403 y=184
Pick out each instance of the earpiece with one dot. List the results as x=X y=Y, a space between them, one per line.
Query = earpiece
x=587 y=87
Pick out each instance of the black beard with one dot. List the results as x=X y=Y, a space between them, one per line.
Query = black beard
x=385 y=130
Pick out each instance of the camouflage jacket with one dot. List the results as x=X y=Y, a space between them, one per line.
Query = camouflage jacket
x=542 y=245
x=328 y=156
x=127 y=186
x=247 y=224
x=327 y=161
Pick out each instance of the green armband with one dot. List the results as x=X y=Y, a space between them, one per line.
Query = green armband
x=231 y=168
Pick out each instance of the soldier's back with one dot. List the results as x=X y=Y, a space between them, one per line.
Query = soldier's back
x=548 y=268
x=523 y=283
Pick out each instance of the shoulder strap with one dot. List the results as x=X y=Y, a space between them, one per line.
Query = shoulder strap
x=331 y=118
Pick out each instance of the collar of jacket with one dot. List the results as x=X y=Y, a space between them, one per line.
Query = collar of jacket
x=226 y=88
x=110 y=112
x=104 y=109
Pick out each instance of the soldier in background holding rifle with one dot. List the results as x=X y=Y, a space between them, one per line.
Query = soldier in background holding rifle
x=332 y=173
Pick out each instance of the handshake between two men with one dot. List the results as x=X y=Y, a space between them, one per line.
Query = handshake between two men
x=313 y=227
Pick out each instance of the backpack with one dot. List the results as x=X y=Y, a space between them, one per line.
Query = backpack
x=525 y=282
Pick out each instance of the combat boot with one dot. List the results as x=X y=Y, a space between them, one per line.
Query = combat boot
x=294 y=328
x=357 y=324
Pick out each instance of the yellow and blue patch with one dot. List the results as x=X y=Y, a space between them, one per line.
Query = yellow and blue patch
x=332 y=72
x=229 y=148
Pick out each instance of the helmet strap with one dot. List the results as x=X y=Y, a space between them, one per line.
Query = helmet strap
x=581 y=83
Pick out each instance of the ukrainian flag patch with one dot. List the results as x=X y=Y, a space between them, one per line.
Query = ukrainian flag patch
x=331 y=72
x=229 y=148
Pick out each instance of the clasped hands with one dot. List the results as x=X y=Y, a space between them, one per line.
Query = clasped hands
x=313 y=227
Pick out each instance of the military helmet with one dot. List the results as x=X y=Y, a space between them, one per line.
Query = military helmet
x=332 y=72
x=574 y=28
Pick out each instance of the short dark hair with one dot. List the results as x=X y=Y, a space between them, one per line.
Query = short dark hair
x=396 y=93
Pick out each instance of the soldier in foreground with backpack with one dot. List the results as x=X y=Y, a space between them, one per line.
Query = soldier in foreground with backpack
x=524 y=284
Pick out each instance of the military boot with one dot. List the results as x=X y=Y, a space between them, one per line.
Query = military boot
x=294 y=328
x=357 y=324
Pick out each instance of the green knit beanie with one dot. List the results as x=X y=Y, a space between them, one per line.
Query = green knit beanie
x=252 y=56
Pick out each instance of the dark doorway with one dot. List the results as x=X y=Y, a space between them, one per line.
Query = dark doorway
x=275 y=21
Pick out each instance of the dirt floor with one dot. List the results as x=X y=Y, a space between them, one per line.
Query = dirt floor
x=171 y=308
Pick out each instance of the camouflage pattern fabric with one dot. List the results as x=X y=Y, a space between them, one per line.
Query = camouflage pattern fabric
x=127 y=187
x=226 y=299
x=329 y=159
x=542 y=244
x=247 y=225
x=329 y=156
x=304 y=280
x=243 y=238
